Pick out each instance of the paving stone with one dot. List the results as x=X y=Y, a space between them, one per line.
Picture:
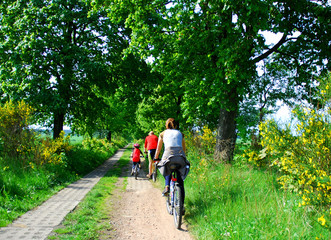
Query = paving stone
x=38 y=223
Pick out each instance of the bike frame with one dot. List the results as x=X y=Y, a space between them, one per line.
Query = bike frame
x=154 y=169
x=136 y=170
x=175 y=199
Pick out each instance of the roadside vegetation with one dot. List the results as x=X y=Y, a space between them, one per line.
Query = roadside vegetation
x=34 y=167
x=221 y=67
x=278 y=187
x=91 y=215
x=245 y=202
x=275 y=188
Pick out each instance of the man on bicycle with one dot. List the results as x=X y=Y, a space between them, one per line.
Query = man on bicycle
x=150 y=146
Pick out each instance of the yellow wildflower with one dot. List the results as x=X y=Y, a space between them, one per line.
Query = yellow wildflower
x=322 y=220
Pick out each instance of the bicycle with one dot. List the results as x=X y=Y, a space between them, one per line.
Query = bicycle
x=174 y=201
x=135 y=170
x=154 y=169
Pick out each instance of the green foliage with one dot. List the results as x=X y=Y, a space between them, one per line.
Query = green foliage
x=16 y=140
x=203 y=140
x=301 y=153
x=88 y=219
x=227 y=202
x=119 y=141
x=82 y=159
x=56 y=165
x=153 y=112
x=207 y=53
x=65 y=59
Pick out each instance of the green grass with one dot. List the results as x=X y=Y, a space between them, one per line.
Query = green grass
x=74 y=139
x=222 y=201
x=225 y=202
x=89 y=218
x=22 y=189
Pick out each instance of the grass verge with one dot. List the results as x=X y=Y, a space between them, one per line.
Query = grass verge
x=226 y=202
x=22 y=189
x=90 y=216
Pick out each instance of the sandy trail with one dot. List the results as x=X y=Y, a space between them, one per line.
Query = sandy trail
x=140 y=212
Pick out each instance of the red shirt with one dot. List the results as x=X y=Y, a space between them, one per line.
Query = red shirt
x=151 y=142
x=136 y=155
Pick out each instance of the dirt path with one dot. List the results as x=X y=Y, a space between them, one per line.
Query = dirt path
x=140 y=213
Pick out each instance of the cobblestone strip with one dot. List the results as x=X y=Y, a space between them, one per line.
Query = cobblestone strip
x=39 y=222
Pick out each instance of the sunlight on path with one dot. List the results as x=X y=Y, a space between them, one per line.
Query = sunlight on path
x=141 y=214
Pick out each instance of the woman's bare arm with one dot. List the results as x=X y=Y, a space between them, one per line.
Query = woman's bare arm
x=159 y=147
x=183 y=144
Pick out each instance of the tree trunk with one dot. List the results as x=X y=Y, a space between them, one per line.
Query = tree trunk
x=58 y=124
x=226 y=136
x=109 y=136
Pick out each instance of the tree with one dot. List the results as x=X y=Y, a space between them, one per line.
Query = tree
x=215 y=46
x=58 y=55
x=263 y=96
x=115 y=107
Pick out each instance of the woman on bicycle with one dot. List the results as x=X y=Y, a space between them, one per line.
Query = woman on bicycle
x=174 y=151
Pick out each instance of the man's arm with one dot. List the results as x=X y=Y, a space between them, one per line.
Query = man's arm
x=145 y=146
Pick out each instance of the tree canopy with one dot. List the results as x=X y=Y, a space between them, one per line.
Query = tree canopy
x=119 y=64
x=211 y=48
x=65 y=58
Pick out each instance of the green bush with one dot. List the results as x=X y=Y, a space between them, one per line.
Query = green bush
x=17 y=141
x=302 y=154
x=32 y=168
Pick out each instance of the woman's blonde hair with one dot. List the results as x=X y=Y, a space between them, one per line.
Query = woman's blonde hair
x=171 y=123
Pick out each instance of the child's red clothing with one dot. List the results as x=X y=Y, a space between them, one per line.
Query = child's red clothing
x=136 y=155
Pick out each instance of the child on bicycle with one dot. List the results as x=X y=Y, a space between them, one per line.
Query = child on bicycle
x=135 y=155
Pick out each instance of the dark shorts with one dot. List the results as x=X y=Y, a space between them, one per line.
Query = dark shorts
x=151 y=154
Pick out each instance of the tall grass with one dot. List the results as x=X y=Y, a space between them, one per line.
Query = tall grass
x=227 y=202
x=90 y=218
x=22 y=189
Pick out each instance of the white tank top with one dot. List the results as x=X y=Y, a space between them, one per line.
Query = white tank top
x=172 y=138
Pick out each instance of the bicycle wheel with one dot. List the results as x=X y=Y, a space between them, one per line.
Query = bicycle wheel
x=178 y=206
x=136 y=171
x=168 y=202
x=154 y=175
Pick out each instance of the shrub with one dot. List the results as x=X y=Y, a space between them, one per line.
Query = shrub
x=17 y=139
x=303 y=159
x=53 y=151
x=203 y=140
x=301 y=153
x=95 y=144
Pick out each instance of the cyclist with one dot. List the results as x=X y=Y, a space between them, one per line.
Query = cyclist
x=135 y=155
x=174 y=151
x=150 y=146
